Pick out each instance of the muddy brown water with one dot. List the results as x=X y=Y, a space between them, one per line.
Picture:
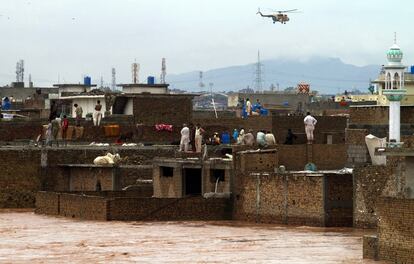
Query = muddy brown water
x=26 y=237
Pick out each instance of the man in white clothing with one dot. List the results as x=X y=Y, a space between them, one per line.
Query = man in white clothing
x=310 y=123
x=185 y=138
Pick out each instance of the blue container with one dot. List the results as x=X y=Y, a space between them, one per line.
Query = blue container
x=87 y=81
x=225 y=138
x=412 y=69
x=151 y=80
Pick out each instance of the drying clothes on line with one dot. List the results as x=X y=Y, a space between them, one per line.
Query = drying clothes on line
x=164 y=127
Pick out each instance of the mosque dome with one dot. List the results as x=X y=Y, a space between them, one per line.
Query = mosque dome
x=394 y=54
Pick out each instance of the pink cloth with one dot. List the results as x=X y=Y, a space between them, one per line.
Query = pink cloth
x=164 y=127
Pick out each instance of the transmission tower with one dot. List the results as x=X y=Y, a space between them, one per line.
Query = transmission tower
x=135 y=72
x=201 y=84
x=102 y=83
x=258 y=82
x=20 y=71
x=163 y=71
x=113 y=84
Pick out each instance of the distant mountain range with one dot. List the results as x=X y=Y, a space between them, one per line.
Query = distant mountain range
x=326 y=75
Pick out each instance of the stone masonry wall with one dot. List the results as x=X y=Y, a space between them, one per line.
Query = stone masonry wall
x=169 y=209
x=396 y=230
x=20 y=177
x=272 y=198
x=370 y=183
x=83 y=207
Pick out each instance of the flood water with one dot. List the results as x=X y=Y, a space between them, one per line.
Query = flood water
x=26 y=237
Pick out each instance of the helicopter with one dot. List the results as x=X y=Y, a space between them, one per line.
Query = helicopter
x=278 y=16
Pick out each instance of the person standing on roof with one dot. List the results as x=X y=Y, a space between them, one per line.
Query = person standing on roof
x=97 y=115
x=185 y=138
x=248 y=107
x=78 y=114
x=199 y=131
x=310 y=123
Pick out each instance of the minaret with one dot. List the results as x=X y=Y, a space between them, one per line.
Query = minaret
x=394 y=88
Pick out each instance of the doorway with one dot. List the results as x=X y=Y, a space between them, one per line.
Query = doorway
x=192 y=181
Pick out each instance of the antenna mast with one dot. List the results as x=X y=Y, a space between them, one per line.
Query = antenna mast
x=20 y=71
x=135 y=71
x=201 y=84
x=113 y=84
x=163 y=71
x=258 y=83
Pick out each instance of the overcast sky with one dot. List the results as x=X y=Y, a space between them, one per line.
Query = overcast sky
x=71 y=38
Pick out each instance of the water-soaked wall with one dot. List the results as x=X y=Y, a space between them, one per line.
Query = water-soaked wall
x=133 y=208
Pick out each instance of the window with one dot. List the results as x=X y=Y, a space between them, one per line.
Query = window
x=217 y=174
x=167 y=171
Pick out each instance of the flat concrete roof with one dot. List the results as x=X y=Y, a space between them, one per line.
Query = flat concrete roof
x=73 y=85
x=137 y=85
x=397 y=152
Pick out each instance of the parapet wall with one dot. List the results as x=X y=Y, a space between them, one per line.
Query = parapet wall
x=102 y=208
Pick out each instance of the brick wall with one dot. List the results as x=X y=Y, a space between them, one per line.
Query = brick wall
x=166 y=109
x=370 y=182
x=325 y=157
x=169 y=209
x=293 y=198
x=125 y=208
x=83 y=207
x=378 y=115
x=396 y=230
x=47 y=203
x=334 y=125
x=339 y=200
x=20 y=177
x=21 y=174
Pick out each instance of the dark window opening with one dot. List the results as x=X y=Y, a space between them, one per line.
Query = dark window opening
x=192 y=181
x=217 y=174
x=167 y=171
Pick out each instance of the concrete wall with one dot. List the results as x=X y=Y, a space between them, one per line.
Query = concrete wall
x=396 y=230
x=88 y=178
x=210 y=178
x=168 y=186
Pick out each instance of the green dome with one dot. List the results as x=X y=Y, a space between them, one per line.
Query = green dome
x=394 y=54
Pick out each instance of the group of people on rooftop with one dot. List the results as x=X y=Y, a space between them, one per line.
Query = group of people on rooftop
x=192 y=136
x=60 y=122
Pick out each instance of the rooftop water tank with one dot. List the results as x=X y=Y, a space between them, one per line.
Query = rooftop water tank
x=87 y=81
x=151 y=80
